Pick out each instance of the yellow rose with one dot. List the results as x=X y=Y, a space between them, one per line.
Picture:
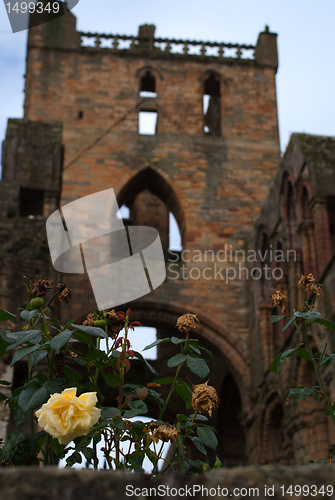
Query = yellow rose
x=65 y=416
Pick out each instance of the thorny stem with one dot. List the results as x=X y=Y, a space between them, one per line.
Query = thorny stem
x=124 y=348
x=180 y=445
x=317 y=371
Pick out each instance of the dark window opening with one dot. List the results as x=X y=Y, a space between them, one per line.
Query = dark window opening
x=80 y=115
x=212 y=106
x=147 y=122
x=31 y=202
x=331 y=218
x=148 y=85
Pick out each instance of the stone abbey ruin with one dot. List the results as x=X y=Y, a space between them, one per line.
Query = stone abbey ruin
x=212 y=159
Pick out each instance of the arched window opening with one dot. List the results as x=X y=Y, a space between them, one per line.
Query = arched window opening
x=174 y=234
x=124 y=214
x=147 y=122
x=331 y=219
x=31 y=202
x=212 y=106
x=150 y=199
x=231 y=448
x=276 y=443
x=139 y=338
x=148 y=85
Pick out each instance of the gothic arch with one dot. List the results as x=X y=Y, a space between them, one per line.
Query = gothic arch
x=154 y=182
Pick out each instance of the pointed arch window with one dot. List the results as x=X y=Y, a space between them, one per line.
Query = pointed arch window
x=153 y=202
x=212 y=105
x=148 y=85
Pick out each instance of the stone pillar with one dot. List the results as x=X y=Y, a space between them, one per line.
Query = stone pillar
x=321 y=233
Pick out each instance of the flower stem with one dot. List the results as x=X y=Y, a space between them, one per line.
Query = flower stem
x=171 y=392
x=317 y=371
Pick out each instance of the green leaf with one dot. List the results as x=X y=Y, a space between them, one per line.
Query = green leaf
x=158 y=341
x=5 y=315
x=197 y=466
x=326 y=323
x=37 y=356
x=287 y=354
x=21 y=353
x=196 y=441
x=60 y=340
x=28 y=315
x=164 y=380
x=55 y=385
x=300 y=393
x=198 y=366
x=139 y=406
x=20 y=416
x=148 y=365
x=176 y=340
x=20 y=449
x=302 y=353
x=109 y=412
x=309 y=316
x=185 y=392
x=24 y=337
x=72 y=374
x=177 y=360
x=195 y=349
x=32 y=397
x=274 y=365
x=199 y=417
x=327 y=360
x=111 y=379
x=82 y=337
x=207 y=437
x=136 y=460
x=94 y=331
x=275 y=318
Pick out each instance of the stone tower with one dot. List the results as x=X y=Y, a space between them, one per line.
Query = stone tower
x=208 y=159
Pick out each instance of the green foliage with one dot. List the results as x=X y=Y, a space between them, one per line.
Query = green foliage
x=70 y=357
x=300 y=393
x=302 y=321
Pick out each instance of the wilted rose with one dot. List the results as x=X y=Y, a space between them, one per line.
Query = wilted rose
x=66 y=416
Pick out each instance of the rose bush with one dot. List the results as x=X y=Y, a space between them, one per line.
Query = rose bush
x=66 y=416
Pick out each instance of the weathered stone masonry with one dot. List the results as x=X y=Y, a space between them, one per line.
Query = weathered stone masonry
x=80 y=134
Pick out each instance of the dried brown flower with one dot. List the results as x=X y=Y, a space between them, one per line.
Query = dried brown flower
x=309 y=284
x=279 y=300
x=65 y=296
x=204 y=398
x=114 y=323
x=89 y=321
x=165 y=432
x=186 y=323
x=40 y=288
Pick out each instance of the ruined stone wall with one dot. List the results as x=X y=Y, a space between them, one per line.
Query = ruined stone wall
x=296 y=218
x=214 y=184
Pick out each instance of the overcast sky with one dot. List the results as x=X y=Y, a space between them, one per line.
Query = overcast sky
x=306 y=45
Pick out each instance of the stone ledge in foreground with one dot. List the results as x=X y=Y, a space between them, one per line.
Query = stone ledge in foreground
x=51 y=483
